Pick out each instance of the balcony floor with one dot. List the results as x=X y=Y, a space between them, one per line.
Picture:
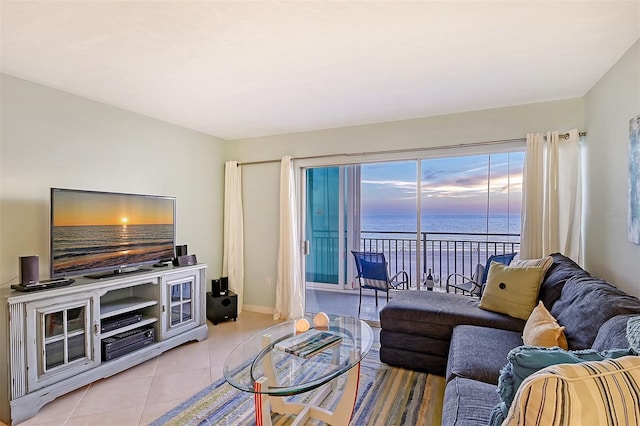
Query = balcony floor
x=345 y=303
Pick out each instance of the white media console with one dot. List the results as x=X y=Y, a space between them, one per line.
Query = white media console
x=54 y=340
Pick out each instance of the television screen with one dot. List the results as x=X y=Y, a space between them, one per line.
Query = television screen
x=102 y=231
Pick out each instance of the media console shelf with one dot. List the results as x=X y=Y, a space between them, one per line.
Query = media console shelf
x=55 y=339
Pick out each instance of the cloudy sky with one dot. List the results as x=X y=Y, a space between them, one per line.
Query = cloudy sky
x=454 y=185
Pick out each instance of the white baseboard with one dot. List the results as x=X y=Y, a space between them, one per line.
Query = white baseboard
x=258 y=309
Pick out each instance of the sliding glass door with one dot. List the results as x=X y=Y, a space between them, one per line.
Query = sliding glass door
x=323 y=223
x=332 y=224
x=470 y=209
x=467 y=208
x=389 y=218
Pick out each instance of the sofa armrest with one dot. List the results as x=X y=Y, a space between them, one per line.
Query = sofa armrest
x=594 y=392
x=613 y=334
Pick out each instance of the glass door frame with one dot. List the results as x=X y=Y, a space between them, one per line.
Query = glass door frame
x=346 y=202
x=417 y=155
x=39 y=315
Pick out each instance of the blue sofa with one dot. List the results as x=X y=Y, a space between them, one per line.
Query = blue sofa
x=449 y=335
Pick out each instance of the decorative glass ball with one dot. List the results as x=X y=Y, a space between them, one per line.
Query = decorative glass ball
x=302 y=325
x=321 y=320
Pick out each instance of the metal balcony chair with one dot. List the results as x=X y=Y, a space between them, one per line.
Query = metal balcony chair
x=373 y=273
x=468 y=285
x=474 y=284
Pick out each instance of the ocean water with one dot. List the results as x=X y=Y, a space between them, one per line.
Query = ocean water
x=92 y=247
x=448 y=248
x=455 y=223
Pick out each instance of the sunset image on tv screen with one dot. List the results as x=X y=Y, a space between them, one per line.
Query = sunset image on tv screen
x=96 y=231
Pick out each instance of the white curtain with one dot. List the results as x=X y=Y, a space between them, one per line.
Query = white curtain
x=289 y=287
x=233 y=240
x=552 y=197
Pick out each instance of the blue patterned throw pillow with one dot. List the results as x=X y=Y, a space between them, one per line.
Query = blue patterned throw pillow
x=526 y=360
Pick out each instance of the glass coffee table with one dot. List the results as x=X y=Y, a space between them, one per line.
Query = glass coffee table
x=261 y=366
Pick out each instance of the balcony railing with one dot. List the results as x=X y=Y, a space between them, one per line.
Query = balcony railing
x=444 y=253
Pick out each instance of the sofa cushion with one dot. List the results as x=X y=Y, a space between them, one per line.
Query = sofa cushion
x=434 y=314
x=557 y=275
x=418 y=361
x=479 y=353
x=613 y=334
x=589 y=393
x=414 y=352
x=512 y=291
x=586 y=304
x=468 y=402
x=542 y=329
x=414 y=343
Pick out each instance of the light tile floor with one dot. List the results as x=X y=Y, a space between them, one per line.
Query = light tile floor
x=143 y=393
x=346 y=303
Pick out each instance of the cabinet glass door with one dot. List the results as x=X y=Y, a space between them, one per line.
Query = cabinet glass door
x=181 y=303
x=65 y=342
x=65 y=337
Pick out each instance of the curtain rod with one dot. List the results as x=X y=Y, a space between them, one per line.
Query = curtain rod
x=400 y=151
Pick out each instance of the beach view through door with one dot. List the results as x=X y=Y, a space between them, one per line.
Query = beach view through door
x=468 y=208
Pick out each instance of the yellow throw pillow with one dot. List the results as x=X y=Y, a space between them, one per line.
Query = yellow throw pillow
x=511 y=291
x=542 y=329
x=545 y=262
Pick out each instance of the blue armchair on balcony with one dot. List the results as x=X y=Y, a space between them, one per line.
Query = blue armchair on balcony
x=473 y=285
x=373 y=273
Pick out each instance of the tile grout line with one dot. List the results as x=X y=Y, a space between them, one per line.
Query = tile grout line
x=146 y=399
x=77 y=404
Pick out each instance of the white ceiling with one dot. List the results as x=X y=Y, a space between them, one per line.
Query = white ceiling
x=237 y=69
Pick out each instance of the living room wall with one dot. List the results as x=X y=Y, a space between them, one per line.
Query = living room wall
x=261 y=181
x=50 y=138
x=609 y=106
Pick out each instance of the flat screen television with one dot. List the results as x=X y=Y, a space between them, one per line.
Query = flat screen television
x=95 y=232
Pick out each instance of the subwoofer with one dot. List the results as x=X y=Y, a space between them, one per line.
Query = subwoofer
x=220 y=308
x=29 y=270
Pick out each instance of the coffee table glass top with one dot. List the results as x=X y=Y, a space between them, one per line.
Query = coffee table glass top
x=295 y=374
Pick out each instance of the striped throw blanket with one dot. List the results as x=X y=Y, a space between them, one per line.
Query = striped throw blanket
x=598 y=393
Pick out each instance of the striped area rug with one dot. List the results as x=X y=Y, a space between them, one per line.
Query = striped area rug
x=386 y=396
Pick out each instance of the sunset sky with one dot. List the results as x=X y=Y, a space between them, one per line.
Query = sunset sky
x=77 y=208
x=454 y=185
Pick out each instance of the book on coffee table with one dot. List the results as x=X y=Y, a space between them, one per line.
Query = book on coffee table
x=309 y=343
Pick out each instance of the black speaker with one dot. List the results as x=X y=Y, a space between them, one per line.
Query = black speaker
x=180 y=252
x=215 y=288
x=220 y=308
x=224 y=285
x=29 y=270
